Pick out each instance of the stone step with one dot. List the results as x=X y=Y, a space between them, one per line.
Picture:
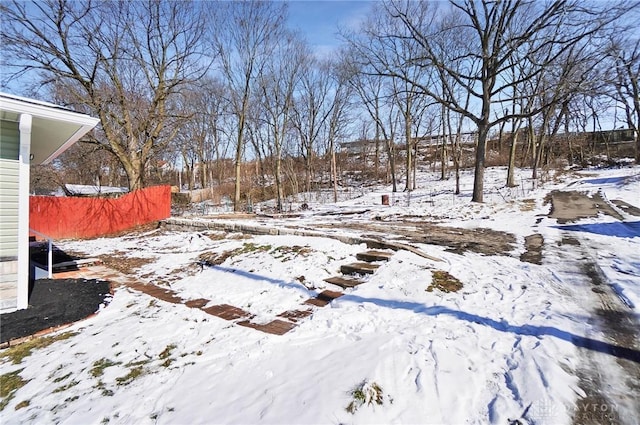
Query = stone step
x=358 y=268
x=73 y=265
x=373 y=255
x=329 y=295
x=324 y=298
x=344 y=282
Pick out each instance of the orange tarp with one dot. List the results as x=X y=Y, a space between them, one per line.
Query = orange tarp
x=71 y=217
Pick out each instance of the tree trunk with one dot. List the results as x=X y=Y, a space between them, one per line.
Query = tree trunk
x=515 y=129
x=280 y=194
x=455 y=147
x=636 y=132
x=536 y=160
x=391 y=154
x=539 y=143
x=236 y=193
x=443 y=156
x=334 y=171
x=415 y=165
x=511 y=175
x=531 y=143
x=409 y=162
x=238 y=166
x=134 y=167
x=376 y=160
x=307 y=177
x=478 y=178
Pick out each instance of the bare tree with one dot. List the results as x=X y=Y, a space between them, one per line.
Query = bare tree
x=456 y=143
x=83 y=163
x=124 y=62
x=312 y=110
x=625 y=54
x=575 y=72
x=375 y=52
x=338 y=122
x=245 y=40
x=495 y=34
x=278 y=83
x=200 y=138
x=372 y=93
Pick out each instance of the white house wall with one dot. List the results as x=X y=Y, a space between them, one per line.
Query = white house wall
x=9 y=199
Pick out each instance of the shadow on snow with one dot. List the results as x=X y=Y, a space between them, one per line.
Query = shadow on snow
x=503 y=326
x=260 y=278
x=618 y=229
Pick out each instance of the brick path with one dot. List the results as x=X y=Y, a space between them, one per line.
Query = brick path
x=286 y=321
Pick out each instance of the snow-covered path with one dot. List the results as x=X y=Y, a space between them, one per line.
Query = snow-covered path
x=610 y=375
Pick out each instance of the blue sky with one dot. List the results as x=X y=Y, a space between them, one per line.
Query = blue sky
x=319 y=20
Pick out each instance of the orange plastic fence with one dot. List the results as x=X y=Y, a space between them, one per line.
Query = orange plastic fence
x=62 y=217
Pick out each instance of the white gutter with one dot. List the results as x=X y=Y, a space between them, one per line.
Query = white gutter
x=24 y=161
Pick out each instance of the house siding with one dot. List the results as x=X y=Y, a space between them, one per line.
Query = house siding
x=9 y=190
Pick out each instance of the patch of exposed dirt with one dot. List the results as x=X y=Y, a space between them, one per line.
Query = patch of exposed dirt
x=568 y=240
x=457 y=240
x=593 y=408
x=444 y=282
x=527 y=205
x=617 y=319
x=124 y=263
x=284 y=253
x=135 y=231
x=533 y=245
x=626 y=207
x=216 y=236
x=214 y=258
x=570 y=206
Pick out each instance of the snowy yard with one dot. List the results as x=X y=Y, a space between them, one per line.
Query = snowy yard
x=517 y=343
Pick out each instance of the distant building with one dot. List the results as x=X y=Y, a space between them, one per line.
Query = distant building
x=89 y=190
x=361 y=146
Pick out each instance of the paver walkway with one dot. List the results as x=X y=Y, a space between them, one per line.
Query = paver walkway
x=286 y=321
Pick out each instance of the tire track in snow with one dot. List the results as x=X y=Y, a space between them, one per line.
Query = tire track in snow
x=609 y=382
x=617 y=322
x=610 y=375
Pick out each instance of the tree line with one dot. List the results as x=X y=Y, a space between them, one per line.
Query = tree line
x=217 y=86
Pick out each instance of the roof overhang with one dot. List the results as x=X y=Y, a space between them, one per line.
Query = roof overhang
x=54 y=129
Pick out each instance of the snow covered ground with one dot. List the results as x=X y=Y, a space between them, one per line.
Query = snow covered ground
x=506 y=347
